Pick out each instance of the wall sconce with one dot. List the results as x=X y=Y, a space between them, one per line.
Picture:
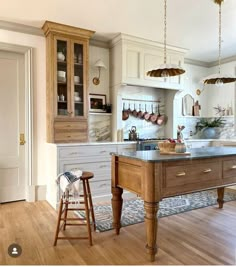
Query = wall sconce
x=99 y=64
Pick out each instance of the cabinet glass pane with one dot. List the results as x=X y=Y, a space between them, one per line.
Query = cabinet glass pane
x=78 y=80
x=62 y=96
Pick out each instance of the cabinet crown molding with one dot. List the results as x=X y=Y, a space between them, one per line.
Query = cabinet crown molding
x=142 y=41
x=58 y=28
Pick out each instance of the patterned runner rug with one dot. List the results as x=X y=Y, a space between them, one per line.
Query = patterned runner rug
x=133 y=211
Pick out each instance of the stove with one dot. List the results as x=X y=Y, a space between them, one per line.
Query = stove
x=147 y=143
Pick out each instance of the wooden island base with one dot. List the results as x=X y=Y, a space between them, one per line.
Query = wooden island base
x=156 y=180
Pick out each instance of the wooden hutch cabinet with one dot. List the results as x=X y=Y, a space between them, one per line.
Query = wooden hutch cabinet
x=67 y=81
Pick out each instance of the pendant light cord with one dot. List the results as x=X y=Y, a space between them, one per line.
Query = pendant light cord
x=219 y=35
x=165 y=8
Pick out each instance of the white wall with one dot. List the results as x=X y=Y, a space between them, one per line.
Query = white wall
x=39 y=96
x=100 y=124
x=224 y=95
x=96 y=53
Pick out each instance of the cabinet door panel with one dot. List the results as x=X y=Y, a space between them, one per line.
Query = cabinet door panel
x=101 y=171
x=61 y=77
x=133 y=64
x=151 y=61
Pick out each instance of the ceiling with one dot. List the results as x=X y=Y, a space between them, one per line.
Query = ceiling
x=191 y=24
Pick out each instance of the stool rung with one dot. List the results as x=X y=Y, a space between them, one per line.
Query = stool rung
x=73 y=219
x=72 y=237
x=76 y=224
x=76 y=209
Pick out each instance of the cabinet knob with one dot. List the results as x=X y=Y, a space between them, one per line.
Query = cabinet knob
x=233 y=167
x=180 y=174
x=207 y=170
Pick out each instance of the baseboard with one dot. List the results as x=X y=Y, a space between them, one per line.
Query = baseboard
x=40 y=192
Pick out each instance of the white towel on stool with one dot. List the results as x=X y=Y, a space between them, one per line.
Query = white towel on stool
x=70 y=180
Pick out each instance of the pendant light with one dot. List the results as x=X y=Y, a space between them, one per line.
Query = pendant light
x=219 y=79
x=165 y=70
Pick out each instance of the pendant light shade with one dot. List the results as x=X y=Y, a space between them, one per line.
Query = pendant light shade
x=165 y=70
x=219 y=79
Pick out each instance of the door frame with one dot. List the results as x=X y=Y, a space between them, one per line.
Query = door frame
x=27 y=52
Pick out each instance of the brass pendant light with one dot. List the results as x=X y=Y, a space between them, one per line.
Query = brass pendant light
x=219 y=79
x=165 y=70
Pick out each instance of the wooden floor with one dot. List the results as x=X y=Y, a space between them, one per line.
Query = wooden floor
x=201 y=237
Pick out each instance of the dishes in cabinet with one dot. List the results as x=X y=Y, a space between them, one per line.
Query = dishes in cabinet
x=76 y=79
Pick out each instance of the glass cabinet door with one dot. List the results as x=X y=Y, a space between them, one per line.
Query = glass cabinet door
x=62 y=78
x=78 y=79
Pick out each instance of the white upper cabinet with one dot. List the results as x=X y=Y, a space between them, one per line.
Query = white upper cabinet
x=132 y=57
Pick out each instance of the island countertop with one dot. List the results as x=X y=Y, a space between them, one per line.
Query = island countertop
x=195 y=153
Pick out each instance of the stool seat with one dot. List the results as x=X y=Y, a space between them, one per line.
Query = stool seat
x=86 y=175
x=87 y=203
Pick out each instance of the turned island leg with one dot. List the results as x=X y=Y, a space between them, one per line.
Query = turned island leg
x=220 y=199
x=117 y=202
x=151 y=222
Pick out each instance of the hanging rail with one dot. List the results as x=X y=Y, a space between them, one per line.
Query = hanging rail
x=140 y=100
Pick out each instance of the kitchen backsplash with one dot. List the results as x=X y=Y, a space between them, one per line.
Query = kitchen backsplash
x=99 y=127
x=143 y=98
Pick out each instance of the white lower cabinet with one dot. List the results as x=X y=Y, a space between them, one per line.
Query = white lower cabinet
x=94 y=158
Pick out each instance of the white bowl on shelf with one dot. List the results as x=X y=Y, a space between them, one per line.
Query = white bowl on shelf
x=76 y=79
x=77 y=98
x=61 y=74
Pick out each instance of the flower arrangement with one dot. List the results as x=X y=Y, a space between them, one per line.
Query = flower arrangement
x=179 y=133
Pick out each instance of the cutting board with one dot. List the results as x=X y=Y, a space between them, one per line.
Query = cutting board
x=175 y=153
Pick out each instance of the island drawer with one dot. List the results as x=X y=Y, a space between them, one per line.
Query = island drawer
x=189 y=175
x=229 y=169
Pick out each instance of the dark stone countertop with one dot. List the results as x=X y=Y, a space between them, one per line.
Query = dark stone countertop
x=196 y=153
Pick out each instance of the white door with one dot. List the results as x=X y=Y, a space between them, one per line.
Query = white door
x=12 y=124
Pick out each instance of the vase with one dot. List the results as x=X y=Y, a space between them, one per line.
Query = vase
x=209 y=133
x=180 y=148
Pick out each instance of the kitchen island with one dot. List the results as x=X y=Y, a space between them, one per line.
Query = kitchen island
x=153 y=177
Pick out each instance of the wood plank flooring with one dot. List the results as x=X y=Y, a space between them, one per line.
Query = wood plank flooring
x=200 y=237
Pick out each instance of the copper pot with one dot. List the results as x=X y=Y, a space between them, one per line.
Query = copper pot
x=160 y=118
x=154 y=118
x=135 y=112
x=146 y=114
x=140 y=113
x=125 y=113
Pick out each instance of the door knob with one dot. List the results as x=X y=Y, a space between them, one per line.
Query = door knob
x=22 y=139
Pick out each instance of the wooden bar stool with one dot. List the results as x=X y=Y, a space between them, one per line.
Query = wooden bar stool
x=87 y=203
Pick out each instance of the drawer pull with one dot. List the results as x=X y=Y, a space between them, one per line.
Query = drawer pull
x=207 y=170
x=69 y=136
x=181 y=174
x=68 y=125
x=103 y=166
x=233 y=167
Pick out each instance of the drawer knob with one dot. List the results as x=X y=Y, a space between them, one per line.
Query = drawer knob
x=207 y=170
x=233 y=167
x=181 y=174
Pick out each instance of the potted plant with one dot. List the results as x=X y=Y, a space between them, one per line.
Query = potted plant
x=207 y=126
